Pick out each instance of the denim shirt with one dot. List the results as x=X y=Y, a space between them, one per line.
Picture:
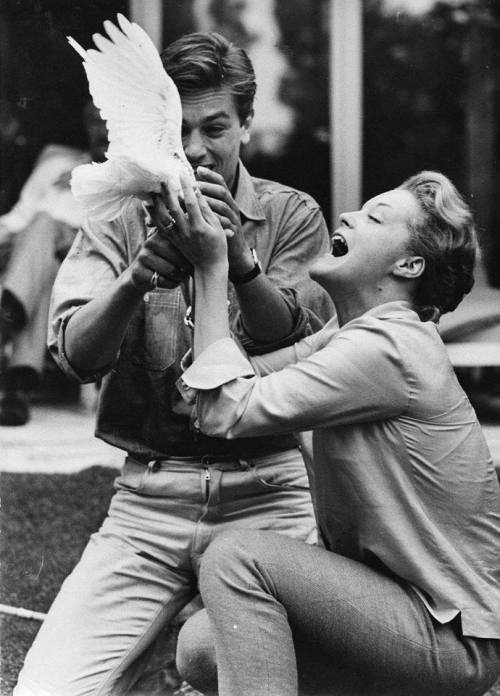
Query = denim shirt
x=140 y=410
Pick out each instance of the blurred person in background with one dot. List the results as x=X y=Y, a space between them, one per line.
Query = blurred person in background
x=15 y=161
x=39 y=229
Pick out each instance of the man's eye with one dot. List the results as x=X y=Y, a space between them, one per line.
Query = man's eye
x=374 y=219
x=215 y=130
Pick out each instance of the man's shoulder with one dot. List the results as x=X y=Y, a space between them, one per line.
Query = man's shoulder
x=132 y=215
x=267 y=189
x=129 y=226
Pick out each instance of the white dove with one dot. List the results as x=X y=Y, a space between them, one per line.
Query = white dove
x=142 y=109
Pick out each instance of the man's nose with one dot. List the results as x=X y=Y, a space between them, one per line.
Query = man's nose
x=194 y=147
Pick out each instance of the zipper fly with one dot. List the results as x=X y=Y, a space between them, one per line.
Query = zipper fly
x=207 y=482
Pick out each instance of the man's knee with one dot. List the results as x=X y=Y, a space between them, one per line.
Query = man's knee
x=195 y=656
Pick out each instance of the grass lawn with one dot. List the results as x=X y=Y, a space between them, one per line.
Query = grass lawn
x=46 y=521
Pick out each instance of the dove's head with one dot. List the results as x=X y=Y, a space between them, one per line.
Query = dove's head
x=216 y=83
x=415 y=243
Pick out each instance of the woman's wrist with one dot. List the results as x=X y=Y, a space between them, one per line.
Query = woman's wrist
x=213 y=270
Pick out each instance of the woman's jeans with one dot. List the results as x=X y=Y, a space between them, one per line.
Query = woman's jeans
x=289 y=618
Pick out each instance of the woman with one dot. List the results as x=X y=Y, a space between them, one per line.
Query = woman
x=404 y=598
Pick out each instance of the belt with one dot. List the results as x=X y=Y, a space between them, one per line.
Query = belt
x=203 y=461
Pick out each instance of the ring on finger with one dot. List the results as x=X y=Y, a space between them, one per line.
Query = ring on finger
x=170 y=224
x=155 y=278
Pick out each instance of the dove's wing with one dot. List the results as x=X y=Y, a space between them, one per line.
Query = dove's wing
x=104 y=189
x=136 y=97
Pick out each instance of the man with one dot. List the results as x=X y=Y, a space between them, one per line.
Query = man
x=43 y=225
x=119 y=306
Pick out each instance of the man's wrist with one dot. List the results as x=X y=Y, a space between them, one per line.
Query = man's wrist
x=241 y=262
x=130 y=286
x=240 y=277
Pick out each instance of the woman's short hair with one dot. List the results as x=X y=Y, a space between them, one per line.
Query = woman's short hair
x=445 y=236
x=202 y=60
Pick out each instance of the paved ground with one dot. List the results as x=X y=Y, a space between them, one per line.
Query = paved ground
x=58 y=439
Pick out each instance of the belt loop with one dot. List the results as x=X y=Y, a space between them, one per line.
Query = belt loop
x=154 y=465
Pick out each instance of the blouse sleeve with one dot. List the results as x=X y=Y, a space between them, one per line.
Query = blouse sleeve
x=357 y=376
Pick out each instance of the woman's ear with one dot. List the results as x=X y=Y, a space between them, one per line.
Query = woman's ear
x=409 y=267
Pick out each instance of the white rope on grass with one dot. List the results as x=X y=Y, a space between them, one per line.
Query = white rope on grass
x=22 y=613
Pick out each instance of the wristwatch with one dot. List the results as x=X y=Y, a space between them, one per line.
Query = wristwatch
x=250 y=275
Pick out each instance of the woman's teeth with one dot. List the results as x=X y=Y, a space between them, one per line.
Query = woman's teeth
x=339 y=245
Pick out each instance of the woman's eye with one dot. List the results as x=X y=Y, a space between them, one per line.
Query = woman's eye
x=374 y=219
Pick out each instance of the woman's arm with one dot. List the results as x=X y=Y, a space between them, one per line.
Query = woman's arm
x=359 y=376
x=199 y=235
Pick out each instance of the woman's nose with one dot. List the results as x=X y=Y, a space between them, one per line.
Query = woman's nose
x=346 y=219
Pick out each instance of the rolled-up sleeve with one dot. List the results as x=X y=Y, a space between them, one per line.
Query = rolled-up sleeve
x=300 y=235
x=358 y=376
x=97 y=257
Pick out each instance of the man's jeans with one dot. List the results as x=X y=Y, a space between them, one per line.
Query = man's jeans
x=289 y=618
x=140 y=568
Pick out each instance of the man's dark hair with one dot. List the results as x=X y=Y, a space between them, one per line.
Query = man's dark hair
x=201 y=61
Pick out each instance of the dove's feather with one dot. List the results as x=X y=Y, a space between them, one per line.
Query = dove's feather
x=131 y=88
x=143 y=113
x=104 y=189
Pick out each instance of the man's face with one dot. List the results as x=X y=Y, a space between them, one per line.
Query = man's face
x=212 y=132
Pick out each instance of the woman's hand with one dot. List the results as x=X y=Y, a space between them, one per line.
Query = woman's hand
x=222 y=203
x=196 y=233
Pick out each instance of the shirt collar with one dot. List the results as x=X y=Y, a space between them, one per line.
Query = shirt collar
x=246 y=197
x=396 y=306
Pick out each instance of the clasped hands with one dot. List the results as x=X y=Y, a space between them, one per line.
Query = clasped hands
x=188 y=232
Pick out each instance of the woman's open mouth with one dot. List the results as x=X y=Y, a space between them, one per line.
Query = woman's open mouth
x=339 y=245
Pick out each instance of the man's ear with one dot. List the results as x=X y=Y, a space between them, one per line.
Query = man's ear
x=409 y=267
x=245 y=128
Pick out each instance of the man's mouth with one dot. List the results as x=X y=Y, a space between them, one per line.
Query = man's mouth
x=339 y=245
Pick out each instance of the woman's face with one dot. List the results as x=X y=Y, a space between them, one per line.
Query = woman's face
x=368 y=243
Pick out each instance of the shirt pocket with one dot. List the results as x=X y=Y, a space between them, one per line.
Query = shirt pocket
x=156 y=336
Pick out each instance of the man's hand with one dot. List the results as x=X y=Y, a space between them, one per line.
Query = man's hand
x=220 y=200
x=158 y=254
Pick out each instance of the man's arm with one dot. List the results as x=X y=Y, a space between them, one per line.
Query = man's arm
x=98 y=280
x=270 y=310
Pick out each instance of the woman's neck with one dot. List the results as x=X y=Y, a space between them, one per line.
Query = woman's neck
x=350 y=305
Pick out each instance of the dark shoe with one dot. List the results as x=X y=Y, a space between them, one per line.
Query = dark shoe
x=20 y=378
x=12 y=315
x=14 y=409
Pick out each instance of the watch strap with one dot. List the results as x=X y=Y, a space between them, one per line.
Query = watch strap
x=249 y=275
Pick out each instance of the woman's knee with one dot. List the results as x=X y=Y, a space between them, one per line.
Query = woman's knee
x=195 y=656
x=232 y=556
